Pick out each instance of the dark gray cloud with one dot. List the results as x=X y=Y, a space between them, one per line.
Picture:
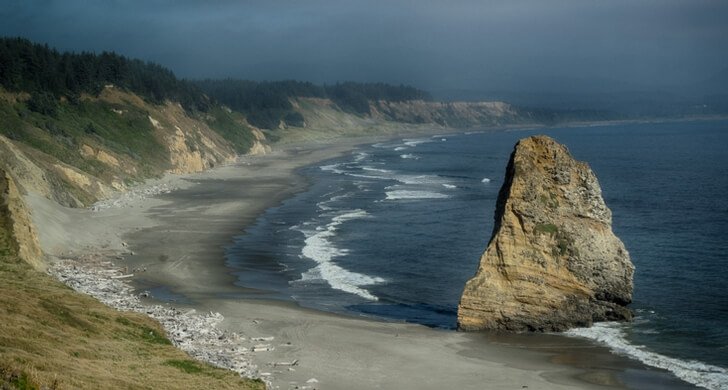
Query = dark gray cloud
x=460 y=44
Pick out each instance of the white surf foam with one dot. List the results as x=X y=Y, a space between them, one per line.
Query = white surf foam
x=418 y=179
x=348 y=216
x=324 y=205
x=385 y=174
x=335 y=168
x=319 y=248
x=449 y=185
x=485 y=180
x=413 y=195
x=361 y=156
x=372 y=169
x=412 y=142
x=692 y=371
x=399 y=148
x=409 y=156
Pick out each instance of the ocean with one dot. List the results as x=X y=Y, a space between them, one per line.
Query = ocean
x=393 y=231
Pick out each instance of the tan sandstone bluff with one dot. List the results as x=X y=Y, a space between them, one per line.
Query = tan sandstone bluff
x=552 y=262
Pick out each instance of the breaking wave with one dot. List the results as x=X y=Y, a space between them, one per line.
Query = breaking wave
x=319 y=248
x=692 y=371
x=414 y=195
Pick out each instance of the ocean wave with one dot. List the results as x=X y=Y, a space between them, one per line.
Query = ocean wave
x=361 y=156
x=335 y=168
x=385 y=174
x=340 y=169
x=362 y=186
x=348 y=216
x=698 y=373
x=412 y=142
x=449 y=185
x=418 y=179
x=319 y=248
x=409 y=156
x=400 y=148
x=414 y=195
x=324 y=205
x=372 y=169
x=485 y=180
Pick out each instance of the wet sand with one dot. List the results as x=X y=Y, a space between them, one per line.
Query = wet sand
x=175 y=245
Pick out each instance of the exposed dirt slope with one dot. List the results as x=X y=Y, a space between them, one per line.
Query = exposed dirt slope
x=107 y=143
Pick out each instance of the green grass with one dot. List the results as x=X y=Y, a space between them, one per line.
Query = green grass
x=230 y=126
x=154 y=336
x=64 y=315
x=17 y=379
x=88 y=122
x=546 y=228
x=8 y=247
x=551 y=200
x=562 y=246
x=187 y=366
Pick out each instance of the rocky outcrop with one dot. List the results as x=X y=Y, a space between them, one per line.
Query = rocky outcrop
x=259 y=147
x=553 y=261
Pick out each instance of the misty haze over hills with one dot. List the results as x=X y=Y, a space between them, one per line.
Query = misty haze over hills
x=709 y=96
x=635 y=57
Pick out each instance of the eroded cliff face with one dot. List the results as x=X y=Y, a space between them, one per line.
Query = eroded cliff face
x=15 y=216
x=92 y=167
x=324 y=120
x=454 y=114
x=260 y=146
x=192 y=146
x=553 y=261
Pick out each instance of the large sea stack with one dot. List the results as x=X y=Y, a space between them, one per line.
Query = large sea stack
x=553 y=261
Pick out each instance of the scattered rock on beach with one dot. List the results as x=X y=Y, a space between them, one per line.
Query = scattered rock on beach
x=198 y=334
x=129 y=198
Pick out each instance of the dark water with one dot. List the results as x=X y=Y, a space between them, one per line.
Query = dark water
x=394 y=231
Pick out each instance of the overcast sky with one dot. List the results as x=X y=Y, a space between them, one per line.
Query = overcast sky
x=473 y=44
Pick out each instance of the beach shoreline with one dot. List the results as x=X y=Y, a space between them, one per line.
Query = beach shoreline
x=174 y=244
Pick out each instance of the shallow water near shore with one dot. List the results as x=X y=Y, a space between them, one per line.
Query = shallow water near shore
x=395 y=229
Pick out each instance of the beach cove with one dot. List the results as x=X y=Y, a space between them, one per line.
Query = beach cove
x=173 y=238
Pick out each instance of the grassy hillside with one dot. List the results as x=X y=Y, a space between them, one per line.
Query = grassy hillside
x=54 y=338
x=269 y=105
x=97 y=123
x=108 y=142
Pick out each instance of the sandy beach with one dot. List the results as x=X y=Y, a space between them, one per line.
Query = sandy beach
x=173 y=240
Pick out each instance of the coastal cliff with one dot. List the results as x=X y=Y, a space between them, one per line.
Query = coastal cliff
x=14 y=215
x=449 y=114
x=552 y=262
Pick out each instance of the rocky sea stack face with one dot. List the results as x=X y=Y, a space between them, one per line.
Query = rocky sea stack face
x=552 y=262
